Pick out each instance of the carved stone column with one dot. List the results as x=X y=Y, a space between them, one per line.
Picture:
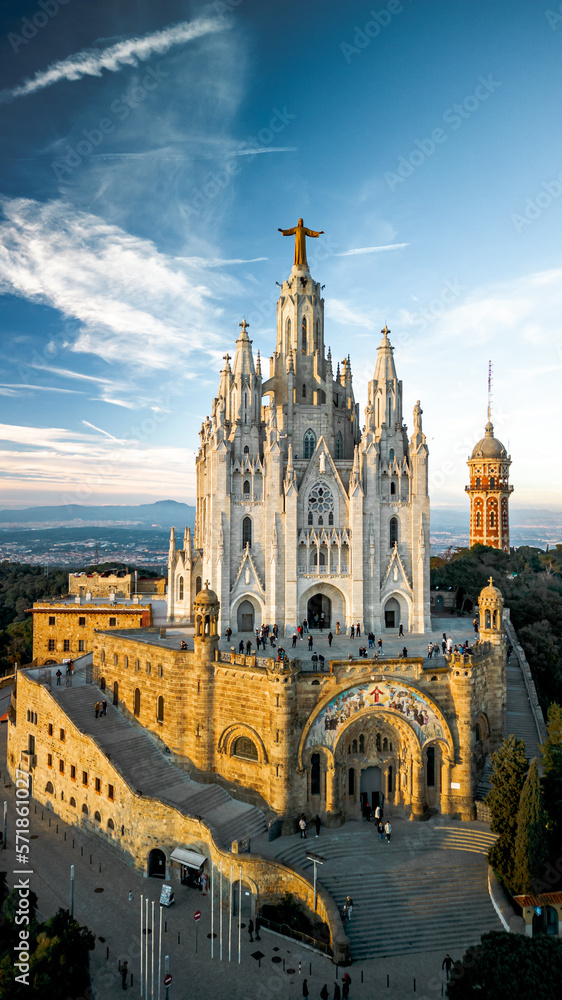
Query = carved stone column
x=331 y=790
x=446 y=800
x=418 y=797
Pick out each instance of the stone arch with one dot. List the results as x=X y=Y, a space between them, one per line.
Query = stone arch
x=229 y=736
x=156 y=863
x=258 y=606
x=405 y=608
x=326 y=764
x=336 y=596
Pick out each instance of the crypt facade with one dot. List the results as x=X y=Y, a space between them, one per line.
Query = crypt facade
x=301 y=512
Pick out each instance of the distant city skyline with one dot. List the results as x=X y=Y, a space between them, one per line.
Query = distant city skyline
x=149 y=158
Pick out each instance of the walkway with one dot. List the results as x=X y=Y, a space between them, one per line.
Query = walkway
x=140 y=760
x=408 y=895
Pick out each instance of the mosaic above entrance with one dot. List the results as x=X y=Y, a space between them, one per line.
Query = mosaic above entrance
x=382 y=695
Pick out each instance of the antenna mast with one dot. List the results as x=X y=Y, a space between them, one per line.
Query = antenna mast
x=489 y=390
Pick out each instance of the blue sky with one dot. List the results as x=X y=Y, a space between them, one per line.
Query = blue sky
x=151 y=151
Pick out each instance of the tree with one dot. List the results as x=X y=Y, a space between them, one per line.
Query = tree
x=509 y=767
x=531 y=852
x=508 y=967
x=58 y=965
x=551 y=751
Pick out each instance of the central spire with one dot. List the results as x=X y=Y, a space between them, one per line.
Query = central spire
x=300 y=232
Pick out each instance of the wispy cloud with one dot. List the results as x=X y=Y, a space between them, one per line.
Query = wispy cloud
x=359 y=250
x=341 y=312
x=129 y=52
x=34 y=388
x=266 y=149
x=99 y=429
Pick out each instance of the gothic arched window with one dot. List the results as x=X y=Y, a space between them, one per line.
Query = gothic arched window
x=361 y=743
x=245 y=747
x=320 y=501
x=393 y=489
x=246 y=449
x=247 y=532
x=180 y=589
x=303 y=391
x=477 y=483
x=330 y=518
x=315 y=774
x=492 y=520
x=303 y=335
x=393 y=531
x=309 y=443
x=492 y=483
x=310 y=517
x=288 y=334
x=246 y=488
x=160 y=709
x=339 y=445
x=430 y=767
x=391 y=455
x=478 y=518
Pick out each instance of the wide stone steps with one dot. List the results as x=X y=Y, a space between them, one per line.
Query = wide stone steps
x=407 y=895
x=520 y=721
x=137 y=757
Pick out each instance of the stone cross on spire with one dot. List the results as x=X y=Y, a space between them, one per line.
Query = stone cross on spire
x=245 y=326
x=385 y=331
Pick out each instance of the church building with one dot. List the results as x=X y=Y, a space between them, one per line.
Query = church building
x=301 y=512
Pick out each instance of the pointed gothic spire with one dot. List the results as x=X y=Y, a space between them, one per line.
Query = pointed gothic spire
x=244 y=359
x=385 y=369
x=258 y=365
x=187 y=540
x=172 y=549
x=290 y=476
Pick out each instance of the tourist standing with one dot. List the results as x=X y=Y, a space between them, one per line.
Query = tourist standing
x=379 y=644
x=447 y=964
x=338 y=628
x=388 y=831
x=352 y=632
x=317 y=824
x=302 y=827
x=330 y=638
x=310 y=642
x=97 y=709
x=251 y=930
x=349 y=906
x=305 y=988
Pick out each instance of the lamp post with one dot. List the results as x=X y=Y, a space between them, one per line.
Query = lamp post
x=72 y=890
x=316 y=859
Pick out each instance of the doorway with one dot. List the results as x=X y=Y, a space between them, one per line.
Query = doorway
x=319 y=611
x=391 y=613
x=247 y=900
x=371 y=787
x=156 y=863
x=246 y=617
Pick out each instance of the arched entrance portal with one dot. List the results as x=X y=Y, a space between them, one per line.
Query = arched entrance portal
x=319 y=611
x=246 y=617
x=156 y=863
x=371 y=787
x=391 y=613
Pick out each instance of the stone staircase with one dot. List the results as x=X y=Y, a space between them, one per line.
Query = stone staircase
x=143 y=765
x=520 y=719
x=407 y=897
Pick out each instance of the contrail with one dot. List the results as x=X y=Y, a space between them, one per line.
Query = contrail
x=91 y=62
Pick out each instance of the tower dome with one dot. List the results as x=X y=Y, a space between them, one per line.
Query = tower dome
x=489 y=446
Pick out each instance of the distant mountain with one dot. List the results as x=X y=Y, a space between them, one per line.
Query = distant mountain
x=161 y=514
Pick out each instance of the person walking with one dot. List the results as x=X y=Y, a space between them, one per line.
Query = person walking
x=449 y=645
x=388 y=830
x=124 y=969
x=294 y=641
x=317 y=824
x=59 y=675
x=349 y=906
x=321 y=660
x=400 y=629
x=429 y=650
x=346 y=983
x=379 y=644
x=310 y=642
x=324 y=992
x=248 y=647
x=302 y=827
x=338 y=628
x=97 y=709
x=305 y=625
x=475 y=624
x=104 y=706
x=314 y=662
x=447 y=964
x=305 y=992
x=241 y=646
x=330 y=638
x=380 y=828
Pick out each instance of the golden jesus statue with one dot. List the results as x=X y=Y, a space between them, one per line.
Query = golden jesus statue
x=300 y=232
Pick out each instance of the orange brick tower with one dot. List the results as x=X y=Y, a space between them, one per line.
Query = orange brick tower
x=489 y=488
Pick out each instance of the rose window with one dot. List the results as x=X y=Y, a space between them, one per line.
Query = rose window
x=320 y=499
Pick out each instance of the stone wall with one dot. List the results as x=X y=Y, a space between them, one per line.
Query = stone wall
x=139 y=823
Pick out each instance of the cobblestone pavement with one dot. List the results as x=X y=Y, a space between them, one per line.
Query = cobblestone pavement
x=116 y=922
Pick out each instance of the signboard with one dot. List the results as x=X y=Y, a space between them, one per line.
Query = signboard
x=166 y=895
x=197 y=915
x=455 y=784
x=167 y=979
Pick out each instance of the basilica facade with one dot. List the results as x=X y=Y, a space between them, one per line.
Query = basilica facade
x=302 y=513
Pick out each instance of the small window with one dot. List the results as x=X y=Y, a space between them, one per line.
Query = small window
x=84 y=777
x=85 y=809
x=246 y=449
x=110 y=824
x=492 y=483
x=492 y=520
x=82 y=621
x=391 y=455
x=393 y=531
x=61 y=766
x=66 y=645
x=112 y=622
x=310 y=517
x=330 y=518
x=478 y=519
x=246 y=488
x=62 y=734
x=115 y=659
x=72 y=802
x=160 y=670
x=73 y=772
x=393 y=489
x=97 y=817
x=148 y=667
x=361 y=743
x=303 y=335
x=126 y=662
x=245 y=747
x=110 y=792
x=50 y=728
x=354 y=746
x=97 y=784
x=51 y=645
x=160 y=709
x=137 y=664
x=81 y=646
x=52 y=620
x=102 y=656
x=351 y=781
x=49 y=760
x=247 y=532
x=49 y=788
x=136 y=702
x=309 y=443
x=304 y=390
